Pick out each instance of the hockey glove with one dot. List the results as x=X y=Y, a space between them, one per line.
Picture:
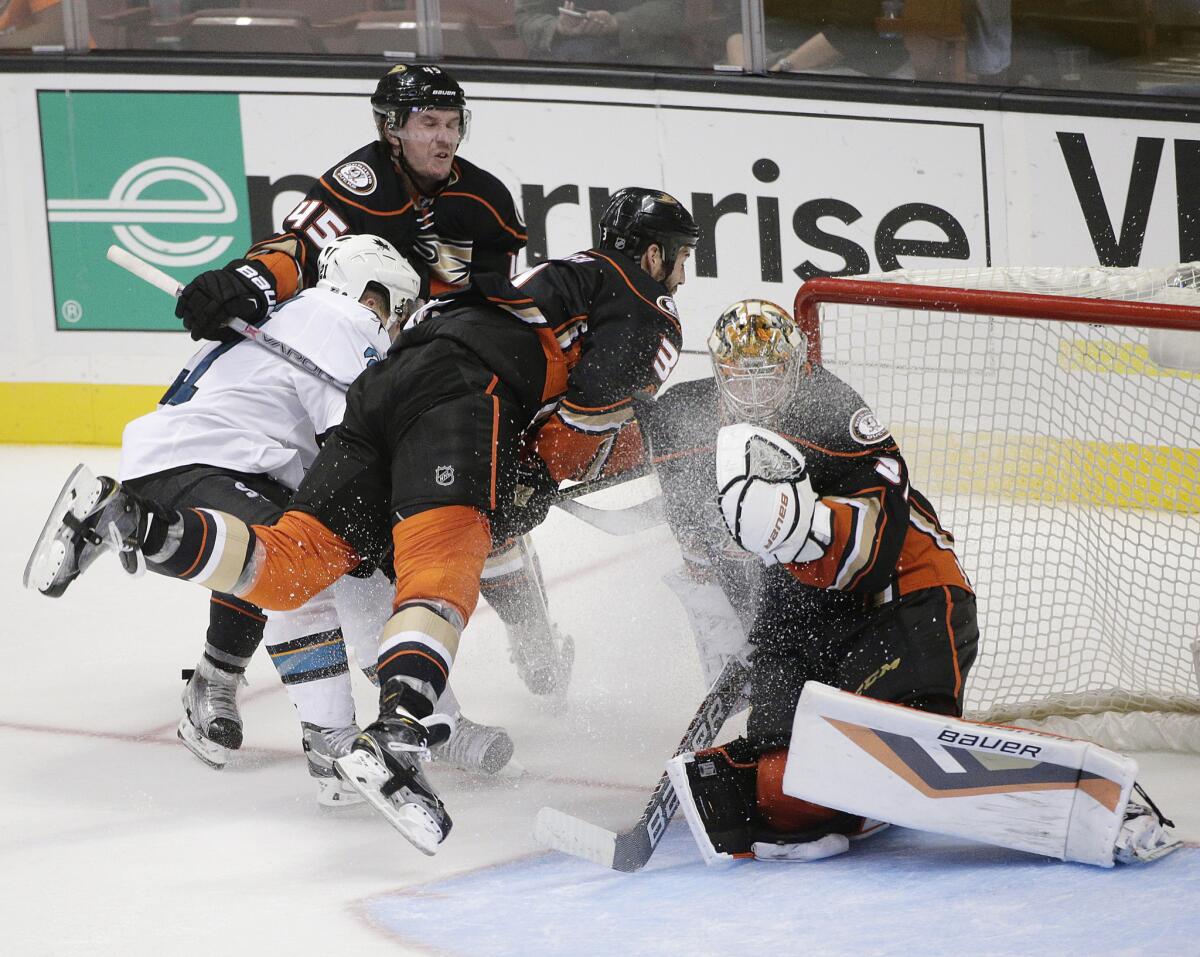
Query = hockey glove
x=243 y=289
x=766 y=497
x=531 y=501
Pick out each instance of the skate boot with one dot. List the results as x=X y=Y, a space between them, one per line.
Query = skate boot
x=384 y=766
x=211 y=726
x=463 y=744
x=92 y=514
x=322 y=746
x=1144 y=834
x=543 y=656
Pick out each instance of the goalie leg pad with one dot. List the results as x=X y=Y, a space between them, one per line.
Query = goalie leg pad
x=1005 y=786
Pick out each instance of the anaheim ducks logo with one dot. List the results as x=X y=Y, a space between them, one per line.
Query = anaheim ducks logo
x=667 y=304
x=865 y=429
x=357 y=177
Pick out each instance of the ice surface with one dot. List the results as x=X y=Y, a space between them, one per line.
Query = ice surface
x=115 y=840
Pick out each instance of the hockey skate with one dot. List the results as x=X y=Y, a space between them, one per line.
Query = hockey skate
x=1144 y=836
x=322 y=746
x=384 y=766
x=543 y=656
x=471 y=747
x=211 y=725
x=92 y=514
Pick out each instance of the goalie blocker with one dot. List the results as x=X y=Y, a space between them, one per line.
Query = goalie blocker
x=1044 y=794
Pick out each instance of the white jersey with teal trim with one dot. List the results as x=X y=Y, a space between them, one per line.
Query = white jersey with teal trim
x=238 y=406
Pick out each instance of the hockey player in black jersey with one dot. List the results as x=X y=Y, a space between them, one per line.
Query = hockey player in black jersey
x=450 y=444
x=854 y=594
x=410 y=186
x=794 y=508
x=452 y=220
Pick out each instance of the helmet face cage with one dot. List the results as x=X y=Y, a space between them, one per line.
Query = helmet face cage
x=758 y=352
x=350 y=264
x=394 y=121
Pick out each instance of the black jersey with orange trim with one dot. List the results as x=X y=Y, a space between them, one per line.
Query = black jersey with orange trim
x=887 y=539
x=470 y=226
x=608 y=330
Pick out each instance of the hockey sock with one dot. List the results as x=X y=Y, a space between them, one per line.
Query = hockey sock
x=314 y=669
x=513 y=593
x=235 y=630
x=204 y=546
x=418 y=645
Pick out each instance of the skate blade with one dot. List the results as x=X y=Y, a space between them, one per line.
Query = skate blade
x=334 y=792
x=367 y=775
x=207 y=751
x=49 y=552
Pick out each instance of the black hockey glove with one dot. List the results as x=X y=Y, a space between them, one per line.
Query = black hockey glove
x=531 y=501
x=243 y=289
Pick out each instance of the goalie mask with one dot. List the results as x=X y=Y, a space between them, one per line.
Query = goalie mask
x=350 y=264
x=758 y=353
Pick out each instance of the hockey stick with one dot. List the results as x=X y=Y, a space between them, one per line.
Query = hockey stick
x=619 y=521
x=160 y=280
x=629 y=850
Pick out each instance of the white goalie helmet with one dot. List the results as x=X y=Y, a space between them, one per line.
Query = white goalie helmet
x=758 y=353
x=351 y=263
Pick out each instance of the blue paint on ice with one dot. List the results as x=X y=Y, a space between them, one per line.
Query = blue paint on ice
x=901 y=893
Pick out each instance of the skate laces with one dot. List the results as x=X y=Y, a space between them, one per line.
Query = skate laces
x=217 y=692
x=468 y=745
x=125 y=524
x=323 y=746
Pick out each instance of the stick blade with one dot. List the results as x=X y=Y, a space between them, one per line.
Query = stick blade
x=570 y=835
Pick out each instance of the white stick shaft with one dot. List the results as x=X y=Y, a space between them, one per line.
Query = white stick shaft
x=143 y=270
x=160 y=280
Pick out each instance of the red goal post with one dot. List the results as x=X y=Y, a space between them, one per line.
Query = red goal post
x=1052 y=415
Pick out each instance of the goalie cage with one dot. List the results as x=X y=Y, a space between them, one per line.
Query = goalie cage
x=1053 y=417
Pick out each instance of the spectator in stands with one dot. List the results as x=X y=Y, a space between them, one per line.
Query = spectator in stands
x=641 y=32
x=988 y=25
x=25 y=24
x=830 y=36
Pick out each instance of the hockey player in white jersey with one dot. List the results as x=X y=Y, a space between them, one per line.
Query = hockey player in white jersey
x=237 y=430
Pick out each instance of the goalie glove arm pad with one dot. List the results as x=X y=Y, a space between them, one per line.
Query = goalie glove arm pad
x=766 y=496
x=242 y=289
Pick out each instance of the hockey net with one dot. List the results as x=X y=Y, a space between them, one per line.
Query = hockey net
x=1052 y=416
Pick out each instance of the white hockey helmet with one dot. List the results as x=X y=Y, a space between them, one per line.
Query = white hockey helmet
x=757 y=352
x=349 y=264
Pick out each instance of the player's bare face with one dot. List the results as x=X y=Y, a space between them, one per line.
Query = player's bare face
x=676 y=276
x=428 y=140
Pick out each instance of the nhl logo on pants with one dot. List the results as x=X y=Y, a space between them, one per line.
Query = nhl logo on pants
x=444 y=475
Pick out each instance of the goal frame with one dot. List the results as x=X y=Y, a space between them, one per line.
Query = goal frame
x=1157 y=722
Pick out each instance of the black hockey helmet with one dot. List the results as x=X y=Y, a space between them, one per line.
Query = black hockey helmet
x=404 y=90
x=636 y=217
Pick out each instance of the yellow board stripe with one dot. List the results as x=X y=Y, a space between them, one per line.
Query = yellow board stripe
x=1114 y=358
x=1026 y=467
x=71 y=413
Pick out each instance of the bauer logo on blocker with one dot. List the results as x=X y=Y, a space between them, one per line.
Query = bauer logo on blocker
x=171 y=189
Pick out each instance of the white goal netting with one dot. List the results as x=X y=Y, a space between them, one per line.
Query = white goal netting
x=1052 y=416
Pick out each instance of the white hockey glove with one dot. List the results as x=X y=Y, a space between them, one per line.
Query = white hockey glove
x=766 y=497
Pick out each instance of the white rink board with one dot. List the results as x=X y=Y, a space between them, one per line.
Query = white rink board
x=829 y=173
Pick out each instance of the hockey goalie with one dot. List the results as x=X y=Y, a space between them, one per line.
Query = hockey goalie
x=862 y=632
